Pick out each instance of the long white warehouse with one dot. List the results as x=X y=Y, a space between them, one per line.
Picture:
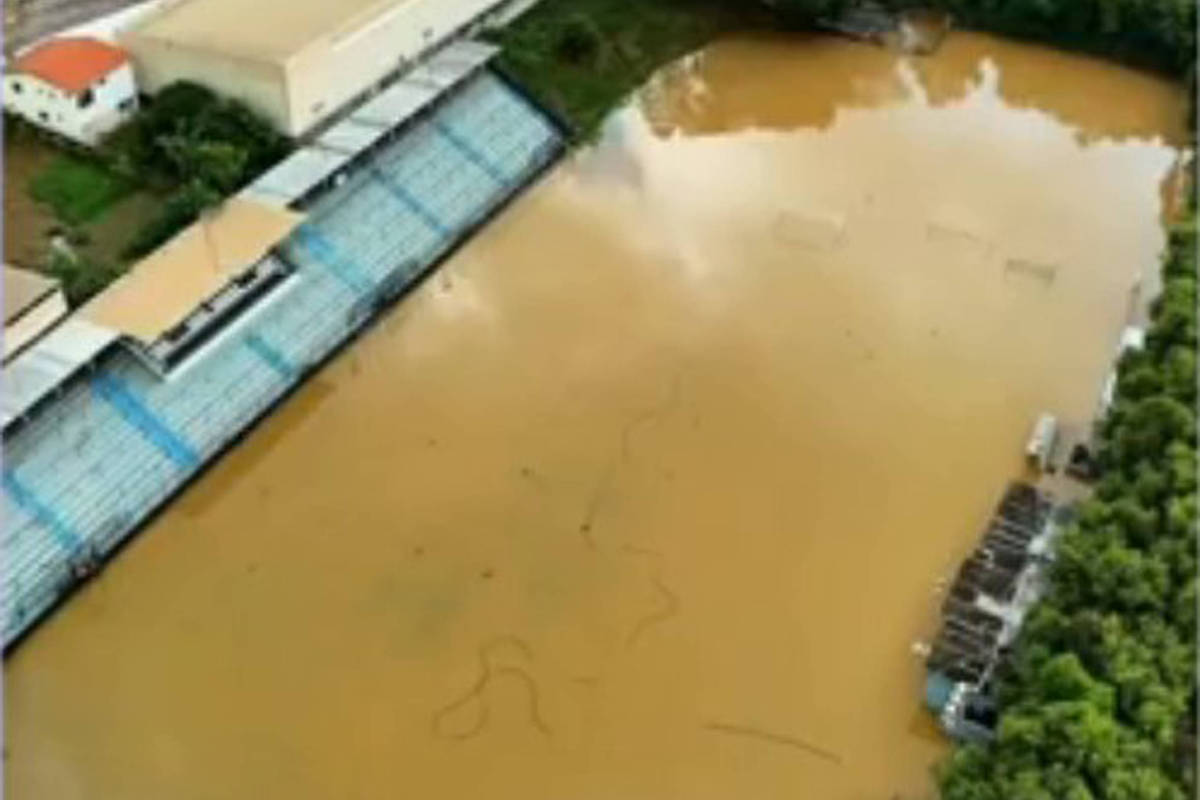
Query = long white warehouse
x=294 y=61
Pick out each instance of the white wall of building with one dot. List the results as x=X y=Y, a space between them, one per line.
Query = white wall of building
x=331 y=71
x=301 y=90
x=113 y=98
x=258 y=83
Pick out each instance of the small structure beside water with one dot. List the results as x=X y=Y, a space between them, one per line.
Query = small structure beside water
x=869 y=22
x=1042 y=441
x=1005 y=575
x=991 y=594
x=915 y=32
x=1073 y=447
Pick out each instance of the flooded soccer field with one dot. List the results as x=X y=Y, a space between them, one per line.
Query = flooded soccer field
x=644 y=494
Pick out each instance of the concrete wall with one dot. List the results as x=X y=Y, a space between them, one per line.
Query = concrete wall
x=257 y=83
x=114 y=99
x=334 y=69
x=322 y=77
x=27 y=327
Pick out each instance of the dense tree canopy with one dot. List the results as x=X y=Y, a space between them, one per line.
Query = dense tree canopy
x=1099 y=702
x=202 y=145
x=1157 y=33
x=189 y=133
x=1154 y=33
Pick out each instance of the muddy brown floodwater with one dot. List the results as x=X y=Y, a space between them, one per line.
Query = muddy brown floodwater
x=646 y=492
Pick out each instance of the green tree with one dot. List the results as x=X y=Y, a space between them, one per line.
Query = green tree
x=181 y=209
x=216 y=164
x=1098 y=699
x=804 y=13
x=198 y=148
x=579 y=40
x=81 y=276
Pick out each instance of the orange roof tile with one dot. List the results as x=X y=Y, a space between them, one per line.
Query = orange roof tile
x=71 y=64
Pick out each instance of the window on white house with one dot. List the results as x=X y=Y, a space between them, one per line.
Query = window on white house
x=126 y=104
x=43 y=116
x=86 y=98
x=16 y=87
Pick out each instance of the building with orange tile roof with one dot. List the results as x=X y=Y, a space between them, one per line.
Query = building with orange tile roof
x=80 y=88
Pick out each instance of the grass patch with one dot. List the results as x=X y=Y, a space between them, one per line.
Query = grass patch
x=77 y=190
x=583 y=57
x=180 y=154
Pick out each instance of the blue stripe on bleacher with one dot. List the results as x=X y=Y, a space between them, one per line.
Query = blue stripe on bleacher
x=345 y=270
x=126 y=402
x=469 y=151
x=396 y=219
x=272 y=357
x=27 y=499
x=409 y=201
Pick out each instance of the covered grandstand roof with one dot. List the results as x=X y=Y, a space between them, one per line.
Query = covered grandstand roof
x=163 y=288
x=308 y=166
x=24 y=289
x=48 y=363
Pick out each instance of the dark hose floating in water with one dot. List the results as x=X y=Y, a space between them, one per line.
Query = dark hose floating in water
x=774 y=738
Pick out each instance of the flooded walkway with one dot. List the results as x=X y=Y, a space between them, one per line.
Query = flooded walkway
x=645 y=493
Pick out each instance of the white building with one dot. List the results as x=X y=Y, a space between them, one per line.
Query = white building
x=80 y=88
x=296 y=62
x=1132 y=338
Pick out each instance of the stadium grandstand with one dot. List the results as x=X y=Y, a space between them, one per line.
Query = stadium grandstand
x=109 y=414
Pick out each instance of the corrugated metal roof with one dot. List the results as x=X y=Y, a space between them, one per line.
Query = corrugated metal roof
x=22 y=289
x=349 y=136
x=395 y=104
x=295 y=175
x=454 y=62
x=308 y=166
x=48 y=363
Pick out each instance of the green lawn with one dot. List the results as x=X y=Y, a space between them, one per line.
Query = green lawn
x=77 y=190
x=583 y=57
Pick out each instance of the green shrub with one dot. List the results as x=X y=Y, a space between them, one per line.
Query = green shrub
x=181 y=209
x=189 y=133
x=1120 y=616
x=579 y=40
x=581 y=57
x=1159 y=34
x=81 y=276
x=196 y=146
